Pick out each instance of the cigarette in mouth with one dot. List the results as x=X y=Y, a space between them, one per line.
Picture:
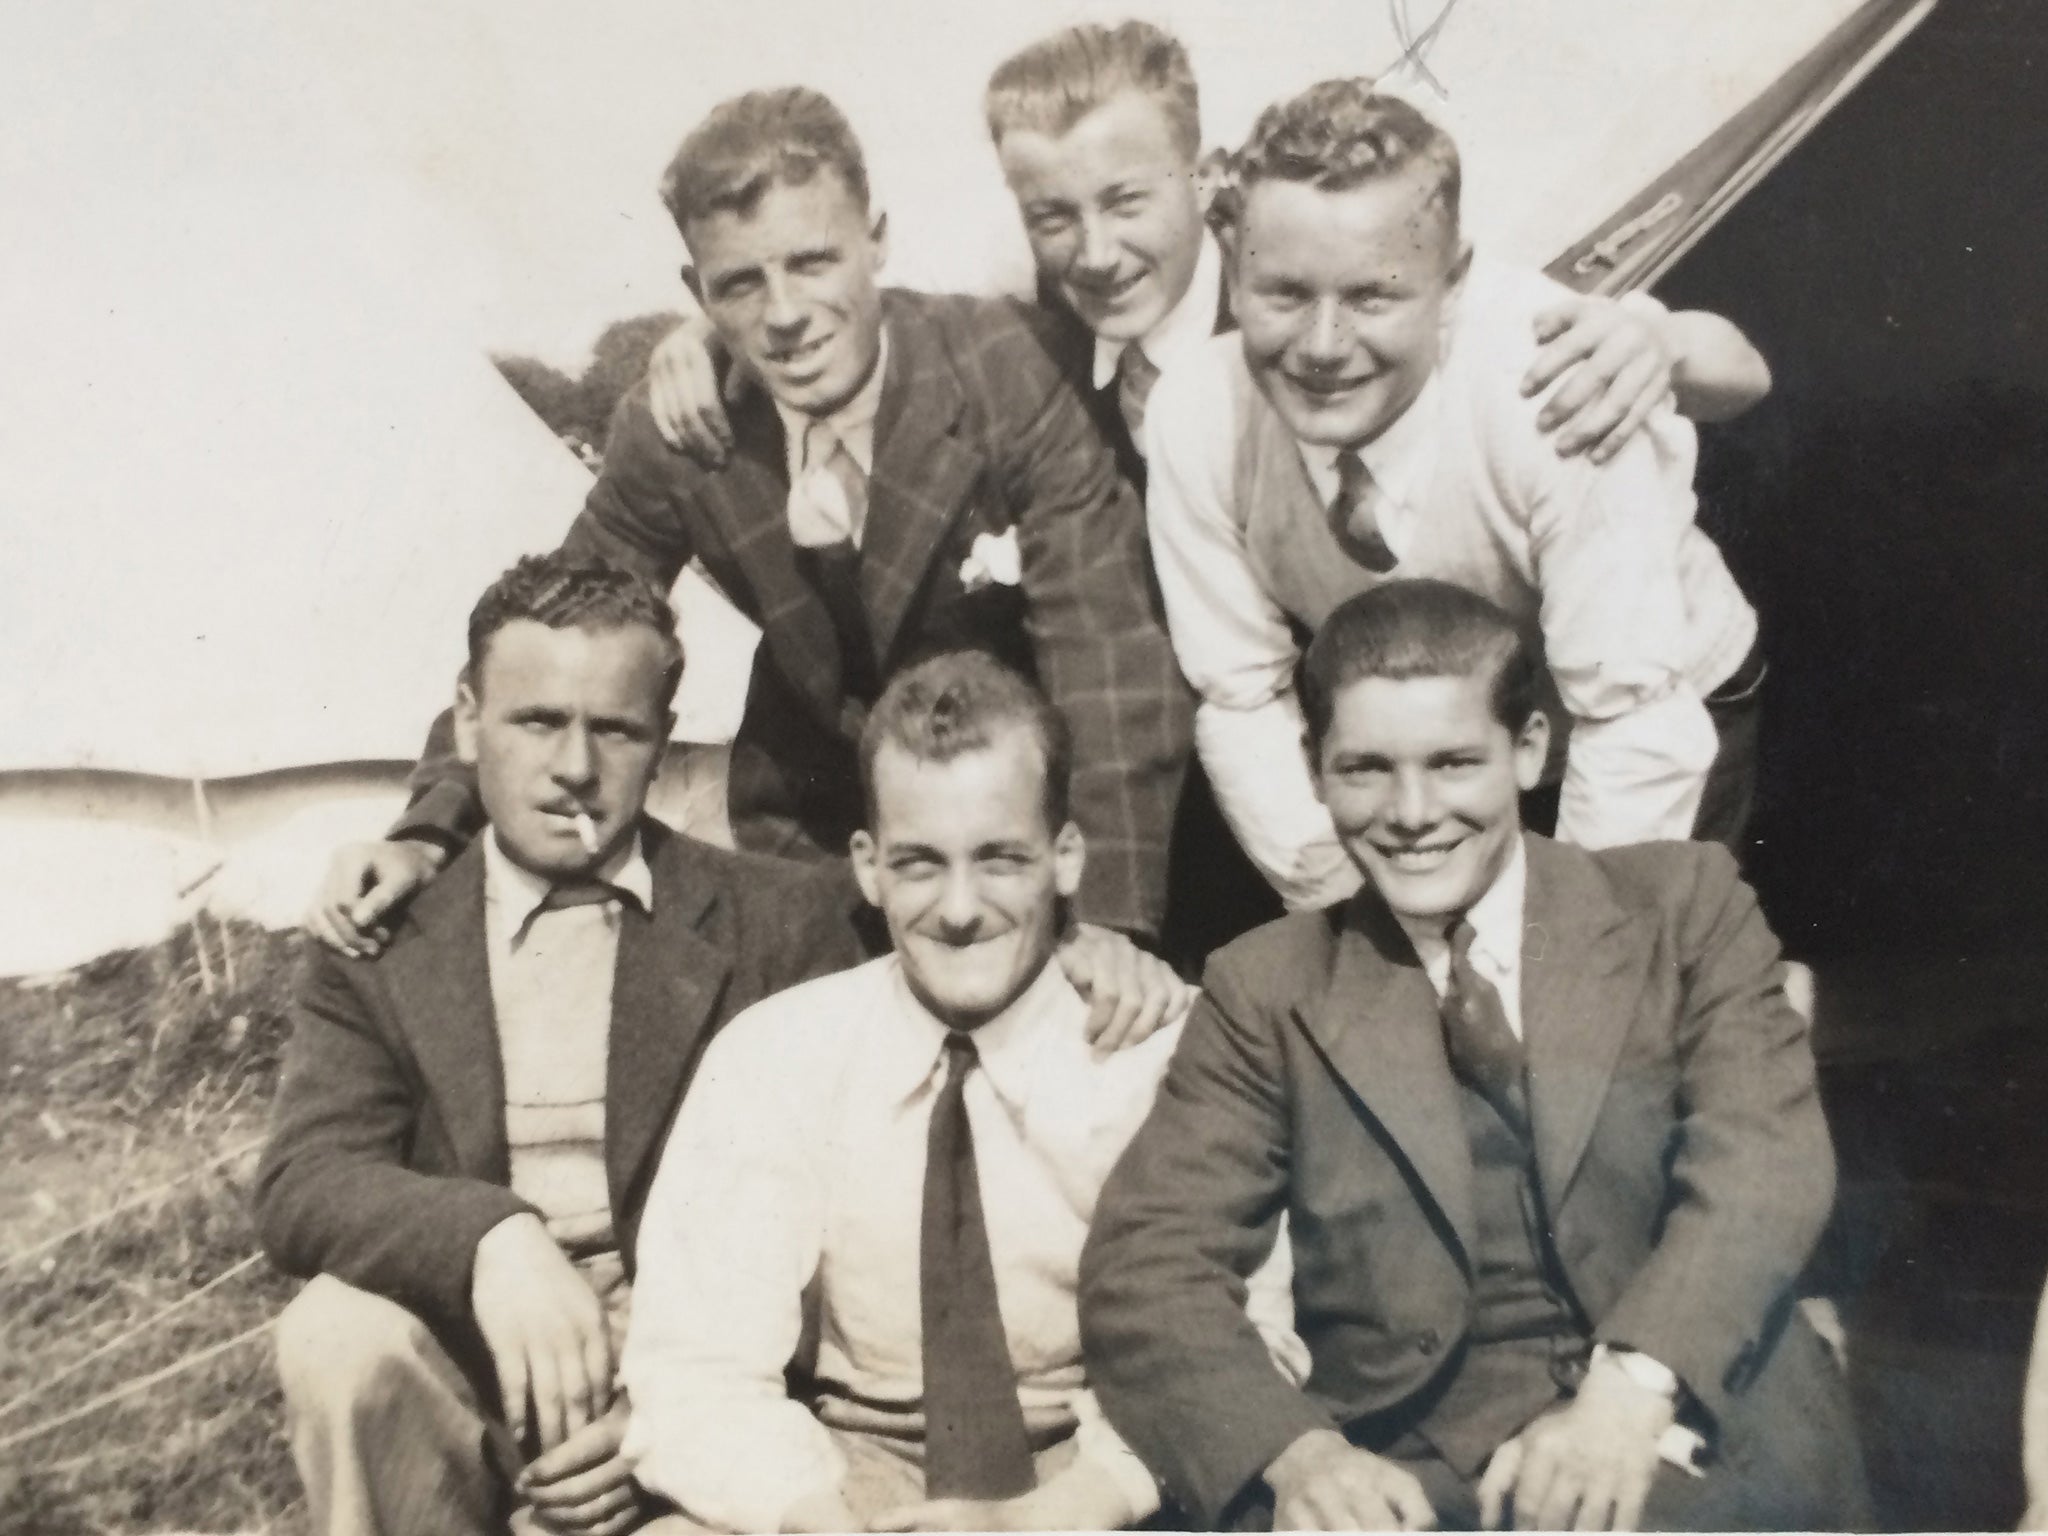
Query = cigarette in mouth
x=586 y=832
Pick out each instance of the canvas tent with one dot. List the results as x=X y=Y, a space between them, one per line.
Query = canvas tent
x=254 y=464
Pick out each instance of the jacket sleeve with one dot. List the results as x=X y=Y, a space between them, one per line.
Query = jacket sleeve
x=1191 y=1211
x=333 y=1192
x=1753 y=1169
x=630 y=518
x=1097 y=636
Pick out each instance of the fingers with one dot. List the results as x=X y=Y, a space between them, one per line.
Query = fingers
x=1632 y=1492
x=612 y=1508
x=515 y=1385
x=587 y=1486
x=1120 y=998
x=1498 y=1483
x=594 y=1448
x=1562 y=350
x=1596 y=1505
x=1410 y=1504
x=1606 y=420
x=1646 y=402
x=598 y=1367
x=550 y=1407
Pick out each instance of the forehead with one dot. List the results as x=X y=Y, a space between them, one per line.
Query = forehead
x=1414 y=717
x=1388 y=226
x=992 y=794
x=1129 y=134
x=620 y=670
x=785 y=219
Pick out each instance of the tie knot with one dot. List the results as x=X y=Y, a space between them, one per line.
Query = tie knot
x=1353 y=478
x=1461 y=935
x=960 y=1050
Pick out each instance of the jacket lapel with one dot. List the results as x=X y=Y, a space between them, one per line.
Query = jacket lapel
x=1378 y=1027
x=670 y=976
x=444 y=981
x=924 y=474
x=1584 y=964
x=749 y=502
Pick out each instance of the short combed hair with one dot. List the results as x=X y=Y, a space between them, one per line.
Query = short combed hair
x=1053 y=84
x=959 y=702
x=1337 y=135
x=1419 y=628
x=760 y=140
x=591 y=594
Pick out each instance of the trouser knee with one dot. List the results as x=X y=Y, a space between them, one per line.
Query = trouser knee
x=345 y=1354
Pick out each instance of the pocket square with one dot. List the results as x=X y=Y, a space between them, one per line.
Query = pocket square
x=993 y=559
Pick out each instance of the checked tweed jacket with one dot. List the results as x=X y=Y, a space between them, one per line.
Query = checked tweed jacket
x=977 y=433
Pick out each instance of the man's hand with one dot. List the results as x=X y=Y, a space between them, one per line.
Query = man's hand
x=825 y=1510
x=365 y=886
x=1322 y=1482
x=1586 y=1465
x=1082 y=1497
x=546 y=1331
x=683 y=395
x=1131 y=995
x=1611 y=367
x=583 y=1486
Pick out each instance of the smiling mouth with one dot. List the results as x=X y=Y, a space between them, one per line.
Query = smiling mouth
x=1326 y=390
x=1417 y=857
x=1110 y=292
x=799 y=354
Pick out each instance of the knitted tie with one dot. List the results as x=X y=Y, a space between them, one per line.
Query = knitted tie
x=829 y=501
x=1354 y=514
x=976 y=1446
x=1480 y=1042
x=1135 y=375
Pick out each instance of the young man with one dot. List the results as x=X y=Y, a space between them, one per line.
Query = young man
x=911 y=1152
x=1548 y=1135
x=1098 y=130
x=1365 y=426
x=467 y=1126
x=911 y=474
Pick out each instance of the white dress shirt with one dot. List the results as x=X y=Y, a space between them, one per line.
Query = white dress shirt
x=1496 y=920
x=799 y=1157
x=1637 y=613
x=1181 y=330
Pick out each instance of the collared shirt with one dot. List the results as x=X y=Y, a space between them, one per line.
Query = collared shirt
x=799 y=1157
x=852 y=424
x=551 y=997
x=1496 y=920
x=1189 y=323
x=1639 y=617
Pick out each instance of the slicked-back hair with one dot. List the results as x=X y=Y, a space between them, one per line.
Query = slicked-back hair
x=1051 y=85
x=1419 y=628
x=561 y=593
x=763 y=139
x=1341 y=134
x=959 y=702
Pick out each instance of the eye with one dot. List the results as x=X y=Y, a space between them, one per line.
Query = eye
x=1127 y=202
x=1049 y=222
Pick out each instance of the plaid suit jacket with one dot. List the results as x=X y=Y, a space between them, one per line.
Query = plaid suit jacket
x=978 y=432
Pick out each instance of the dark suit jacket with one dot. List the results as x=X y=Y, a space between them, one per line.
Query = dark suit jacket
x=387 y=1159
x=1682 y=1155
x=977 y=433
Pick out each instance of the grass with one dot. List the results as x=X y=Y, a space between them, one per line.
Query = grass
x=143 y=1067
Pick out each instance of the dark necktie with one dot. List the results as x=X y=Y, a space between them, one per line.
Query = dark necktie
x=976 y=1446
x=1480 y=1042
x=571 y=893
x=1355 y=514
x=1135 y=375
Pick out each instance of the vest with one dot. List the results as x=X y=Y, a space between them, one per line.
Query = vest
x=1527 y=1340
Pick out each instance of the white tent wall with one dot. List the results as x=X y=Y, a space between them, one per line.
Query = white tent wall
x=255 y=465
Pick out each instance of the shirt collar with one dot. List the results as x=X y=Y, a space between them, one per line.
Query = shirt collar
x=1188 y=324
x=512 y=894
x=1396 y=457
x=1007 y=1044
x=1496 y=917
x=853 y=423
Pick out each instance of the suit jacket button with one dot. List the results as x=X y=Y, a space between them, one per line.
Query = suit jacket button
x=1429 y=1341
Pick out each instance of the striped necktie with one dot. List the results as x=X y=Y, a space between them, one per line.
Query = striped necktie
x=1355 y=514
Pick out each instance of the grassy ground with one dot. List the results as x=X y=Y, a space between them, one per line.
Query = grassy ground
x=143 y=1068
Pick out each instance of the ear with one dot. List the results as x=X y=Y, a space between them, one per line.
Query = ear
x=1532 y=750
x=1210 y=171
x=468 y=721
x=878 y=237
x=1454 y=278
x=867 y=866
x=1069 y=858
x=693 y=282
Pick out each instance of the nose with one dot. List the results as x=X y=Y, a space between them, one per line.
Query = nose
x=1324 y=338
x=1412 y=807
x=959 y=907
x=575 y=765
x=1096 y=255
x=784 y=312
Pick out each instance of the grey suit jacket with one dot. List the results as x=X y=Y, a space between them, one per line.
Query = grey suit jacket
x=1683 y=1159
x=387 y=1159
